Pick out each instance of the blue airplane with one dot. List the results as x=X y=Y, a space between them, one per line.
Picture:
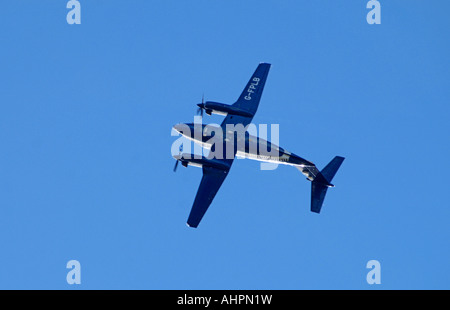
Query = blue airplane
x=216 y=169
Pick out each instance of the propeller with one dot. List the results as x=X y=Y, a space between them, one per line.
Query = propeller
x=201 y=106
x=176 y=160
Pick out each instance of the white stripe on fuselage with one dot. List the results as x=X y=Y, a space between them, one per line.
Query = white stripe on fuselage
x=283 y=159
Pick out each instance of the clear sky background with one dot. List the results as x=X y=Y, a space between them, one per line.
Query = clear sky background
x=85 y=135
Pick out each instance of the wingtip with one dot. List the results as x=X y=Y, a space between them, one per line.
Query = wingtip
x=191 y=226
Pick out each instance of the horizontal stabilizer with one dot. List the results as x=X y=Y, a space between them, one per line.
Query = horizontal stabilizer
x=320 y=185
x=330 y=170
x=318 y=191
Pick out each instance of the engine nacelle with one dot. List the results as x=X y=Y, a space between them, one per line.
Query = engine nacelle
x=222 y=109
x=195 y=160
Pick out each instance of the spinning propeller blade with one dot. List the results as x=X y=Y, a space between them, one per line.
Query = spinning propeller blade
x=176 y=160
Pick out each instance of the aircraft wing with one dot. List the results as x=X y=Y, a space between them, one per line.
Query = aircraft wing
x=250 y=96
x=212 y=177
x=209 y=186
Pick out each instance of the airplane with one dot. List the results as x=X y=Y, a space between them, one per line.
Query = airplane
x=216 y=169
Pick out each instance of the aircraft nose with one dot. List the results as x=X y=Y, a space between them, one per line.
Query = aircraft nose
x=184 y=129
x=181 y=128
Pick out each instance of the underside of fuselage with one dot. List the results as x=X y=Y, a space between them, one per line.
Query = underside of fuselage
x=248 y=146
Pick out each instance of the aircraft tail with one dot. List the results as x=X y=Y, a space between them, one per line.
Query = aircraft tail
x=320 y=184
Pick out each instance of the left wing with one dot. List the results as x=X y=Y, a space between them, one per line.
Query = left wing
x=209 y=186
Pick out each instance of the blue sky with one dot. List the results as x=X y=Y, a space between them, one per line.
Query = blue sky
x=85 y=134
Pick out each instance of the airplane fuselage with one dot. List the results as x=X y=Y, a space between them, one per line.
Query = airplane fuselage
x=247 y=145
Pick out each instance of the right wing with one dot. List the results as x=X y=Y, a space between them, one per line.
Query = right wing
x=209 y=186
x=251 y=95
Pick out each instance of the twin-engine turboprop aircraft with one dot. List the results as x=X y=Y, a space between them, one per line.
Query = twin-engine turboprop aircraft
x=216 y=169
